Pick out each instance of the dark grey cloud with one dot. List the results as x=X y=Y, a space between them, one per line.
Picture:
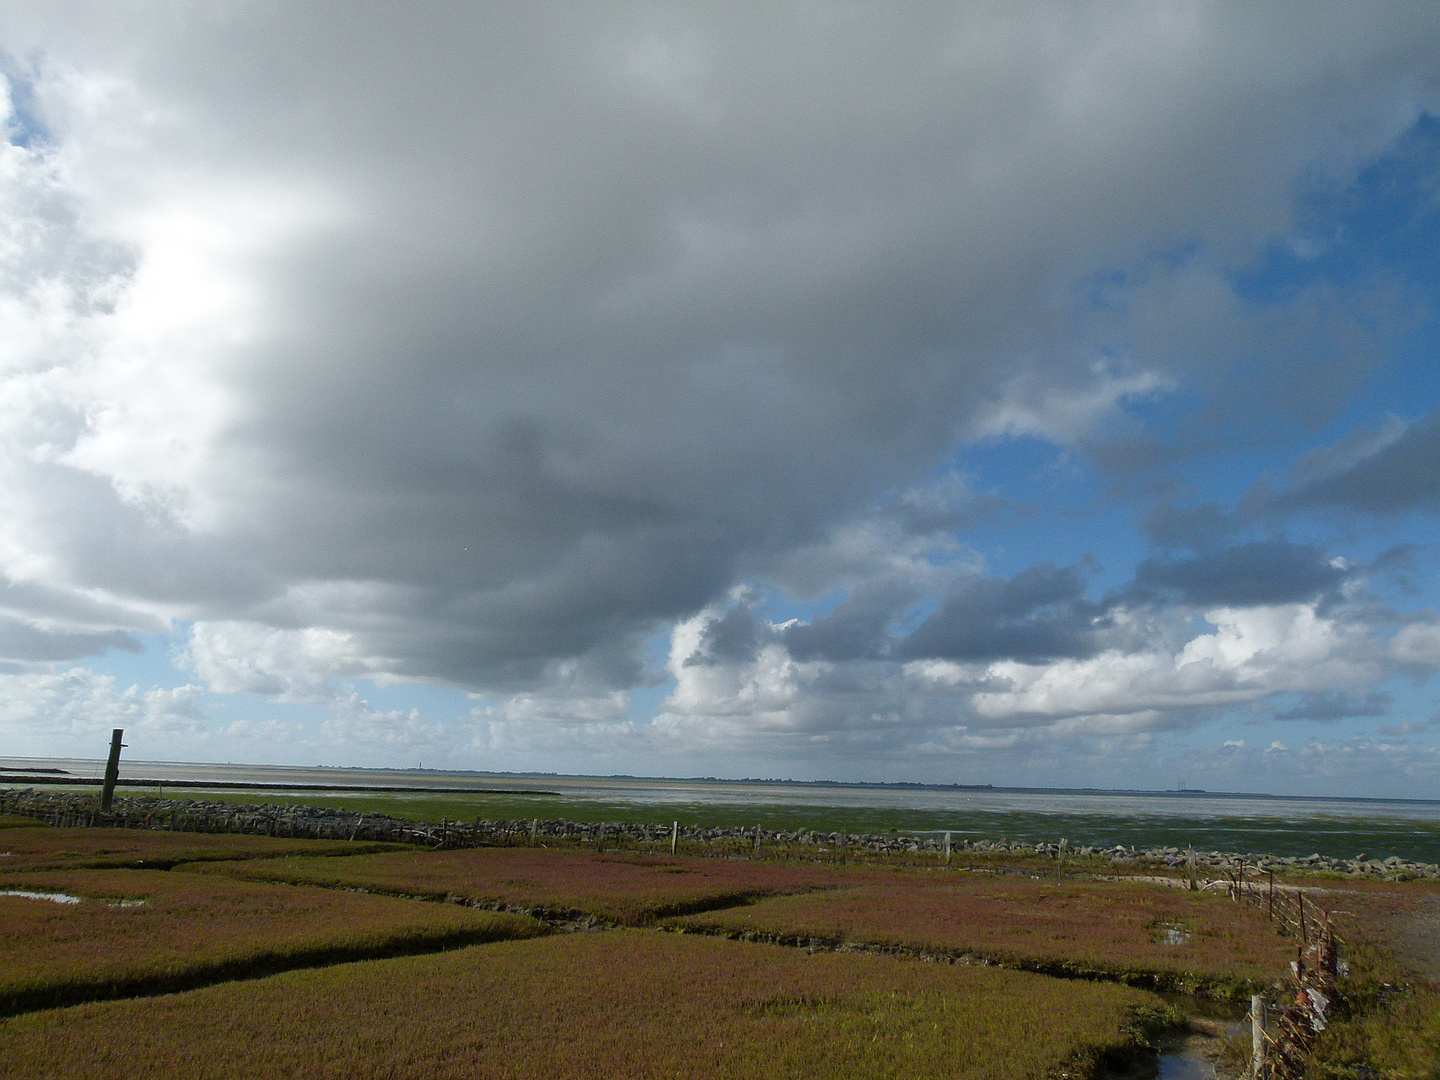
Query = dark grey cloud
x=1261 y=572
x=858 y=628
x=1039 y=614
x=27 y=642
x=735 y=637
x=537 y=328
x=1335 y=705
x=1379 y=471
x=1196 y=527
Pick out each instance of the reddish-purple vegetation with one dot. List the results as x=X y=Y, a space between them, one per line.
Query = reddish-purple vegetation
x=187 y=929
x=46 y=848
x=629 y=889
x=1076 y=925
x=630 y=1004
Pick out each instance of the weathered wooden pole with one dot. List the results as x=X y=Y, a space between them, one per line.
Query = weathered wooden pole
x=947 y=849
x=758 y=832
x=674 y=838
x=112 y=770
x=1190 y=865
x=1257 y=1035
x=842 y=846
x=1060 y=852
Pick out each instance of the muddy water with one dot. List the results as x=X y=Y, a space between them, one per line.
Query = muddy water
x=1196 y=1053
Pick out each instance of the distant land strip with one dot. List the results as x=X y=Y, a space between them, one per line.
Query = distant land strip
x=248 y=785
x=66 y=809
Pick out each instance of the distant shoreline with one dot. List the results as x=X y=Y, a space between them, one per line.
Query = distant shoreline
x=421 y=781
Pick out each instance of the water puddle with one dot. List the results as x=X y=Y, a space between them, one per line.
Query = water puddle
x=53 y=897
x=64 y=898
x=1172 y=935
x=1200 y=1051
x=1183 y=1066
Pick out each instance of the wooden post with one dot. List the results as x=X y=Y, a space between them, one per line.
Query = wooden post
x=947 y=849
x=534 y=830
x=1257 y=1035
x=112 y=770
x=758 y=832
x=1272 y=895
x=675 y=838
x=843 y=853
x=600 y=838
x=1060 y=853
x=1190 y=866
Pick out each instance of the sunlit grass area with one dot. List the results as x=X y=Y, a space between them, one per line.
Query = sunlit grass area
x=623 y=888
x=140 y=931
x=1126 y=929
x=629 y=1004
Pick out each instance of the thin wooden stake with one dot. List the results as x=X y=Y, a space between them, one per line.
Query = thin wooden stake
x=1257 y=1035
x=947 y=849
x=675 y=838
x=758 y=832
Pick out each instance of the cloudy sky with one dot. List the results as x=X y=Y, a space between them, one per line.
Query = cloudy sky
x=1013 y=394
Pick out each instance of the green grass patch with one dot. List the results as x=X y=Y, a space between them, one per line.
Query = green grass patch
x=634 y=1004
x=1340 y=836
x=14 y=821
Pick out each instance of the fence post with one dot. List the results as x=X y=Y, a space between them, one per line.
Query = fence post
x=675 y=838
x=112 y=770
x=842 y=847
x=1060 y=853
x=947 y=849
x=1190 y=865
x=1257 y=1035
x=757 y=841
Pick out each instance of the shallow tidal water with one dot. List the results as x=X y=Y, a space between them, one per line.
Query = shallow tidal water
x=1257 y=823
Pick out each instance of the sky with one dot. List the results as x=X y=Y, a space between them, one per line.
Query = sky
x=1018 y=394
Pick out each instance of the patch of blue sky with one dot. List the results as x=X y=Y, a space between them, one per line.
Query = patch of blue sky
x=1060 y=516
x=155 y=664
x=25 y=127
x=646 y=701
x=1387 y=221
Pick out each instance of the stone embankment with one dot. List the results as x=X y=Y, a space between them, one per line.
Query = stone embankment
x=267 y=819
